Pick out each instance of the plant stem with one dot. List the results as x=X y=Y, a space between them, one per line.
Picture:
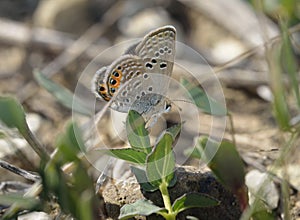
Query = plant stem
x=232 y=128
x=35 y=144
x=167 y=202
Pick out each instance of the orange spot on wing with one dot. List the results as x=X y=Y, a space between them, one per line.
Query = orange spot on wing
x=117 y=78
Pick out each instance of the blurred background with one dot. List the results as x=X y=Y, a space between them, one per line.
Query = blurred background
x=60 y=38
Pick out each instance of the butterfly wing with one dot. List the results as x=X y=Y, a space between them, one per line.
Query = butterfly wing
x=107 y=80
x=142 y=93
x=119 y=82
x=157 y=49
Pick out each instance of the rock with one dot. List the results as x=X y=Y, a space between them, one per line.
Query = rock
x=35 y=215
x=261 y=183
x=189 y=179
x=265 y=93
x=66 y=16
x=34 y=121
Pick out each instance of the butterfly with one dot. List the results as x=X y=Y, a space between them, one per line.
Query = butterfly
x=138 y=79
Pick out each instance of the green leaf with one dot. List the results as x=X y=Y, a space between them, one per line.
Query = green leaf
x=127 y=154
x=2 y=134
x=51 y=176
x=18 y=203
x=226 y=163
x=264 y=214
x=174 y=130
x=261 y=211
x=83 y=188
x=141 y=177
x=137 y=134
x=224 y=160
x=86 y=206
x=280 y=105
x=203 y=101
x=82 y=181
x=75 y=193
x=70 y=143
x=161 y=162
x=289 y=62
x=64 y=96
x=140 y=207
x=194 y=152
x=193 y=200
x=24 y=202
x=12 y=114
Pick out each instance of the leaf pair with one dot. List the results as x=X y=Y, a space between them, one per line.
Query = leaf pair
x=187 y=201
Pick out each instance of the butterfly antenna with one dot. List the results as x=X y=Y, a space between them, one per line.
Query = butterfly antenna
x=182 y=100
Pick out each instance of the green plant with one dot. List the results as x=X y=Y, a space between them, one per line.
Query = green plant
x=157 y=173
x=158 y=163
x=282 y=65
x=73 y=191
x=288 y=10
x=283 y=69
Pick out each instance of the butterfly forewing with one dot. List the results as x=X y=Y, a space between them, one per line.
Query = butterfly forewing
x=157 y=49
